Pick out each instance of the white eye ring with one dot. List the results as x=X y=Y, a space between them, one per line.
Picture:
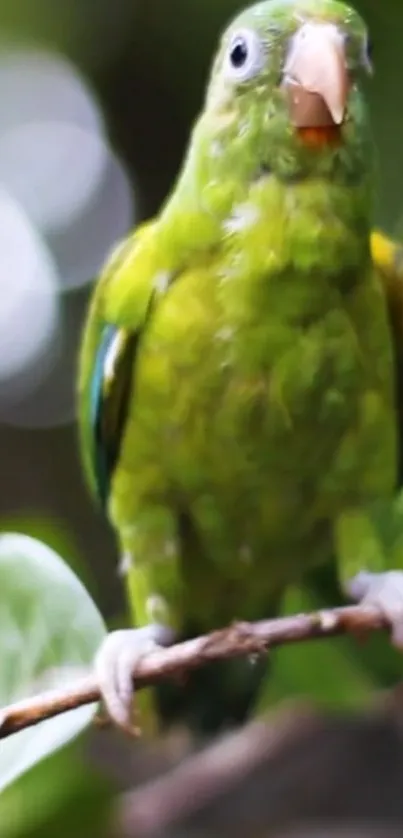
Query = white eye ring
x=244 y=56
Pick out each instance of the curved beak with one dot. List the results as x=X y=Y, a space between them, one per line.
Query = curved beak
x=315 y=76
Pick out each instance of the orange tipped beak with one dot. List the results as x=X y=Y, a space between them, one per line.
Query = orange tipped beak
x=316 y=79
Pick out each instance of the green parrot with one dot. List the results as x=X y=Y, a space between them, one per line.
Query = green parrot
x=237 y=394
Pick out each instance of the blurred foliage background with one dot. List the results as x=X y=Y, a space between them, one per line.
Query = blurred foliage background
x=96 y=103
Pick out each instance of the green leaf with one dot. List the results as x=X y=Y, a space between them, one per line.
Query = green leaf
x=49 y=631
x=63 y=796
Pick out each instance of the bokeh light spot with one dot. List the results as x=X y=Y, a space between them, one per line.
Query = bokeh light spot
x=52 y=168
x=28 y=292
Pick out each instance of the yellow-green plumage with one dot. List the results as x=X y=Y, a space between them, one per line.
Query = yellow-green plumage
x=257 y=410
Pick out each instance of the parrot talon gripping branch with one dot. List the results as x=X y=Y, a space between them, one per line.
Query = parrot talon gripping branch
x=237 y=381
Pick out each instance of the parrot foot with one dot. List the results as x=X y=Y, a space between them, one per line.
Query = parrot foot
x=384 y=590
x=114 y=663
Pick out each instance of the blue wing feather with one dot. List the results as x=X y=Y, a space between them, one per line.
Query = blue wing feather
x=110 y=391
x=100 y=460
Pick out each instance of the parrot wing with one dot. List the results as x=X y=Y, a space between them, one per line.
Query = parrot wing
x=107 y=363
x=387 y=256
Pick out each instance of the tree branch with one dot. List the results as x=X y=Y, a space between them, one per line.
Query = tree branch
x=237 y=640
x=204 y=777
x=297 y=768
x=201 y=780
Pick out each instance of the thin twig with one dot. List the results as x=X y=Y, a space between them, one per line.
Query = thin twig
x=237 y=640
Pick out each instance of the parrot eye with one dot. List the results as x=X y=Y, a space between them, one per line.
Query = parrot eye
x=244 y=55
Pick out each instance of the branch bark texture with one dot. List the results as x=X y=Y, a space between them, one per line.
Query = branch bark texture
x=237 y=640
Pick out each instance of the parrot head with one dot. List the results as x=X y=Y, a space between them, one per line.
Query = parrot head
x=286 y=93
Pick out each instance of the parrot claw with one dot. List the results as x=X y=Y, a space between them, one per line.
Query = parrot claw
x=384 y=590
x=114 y=664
